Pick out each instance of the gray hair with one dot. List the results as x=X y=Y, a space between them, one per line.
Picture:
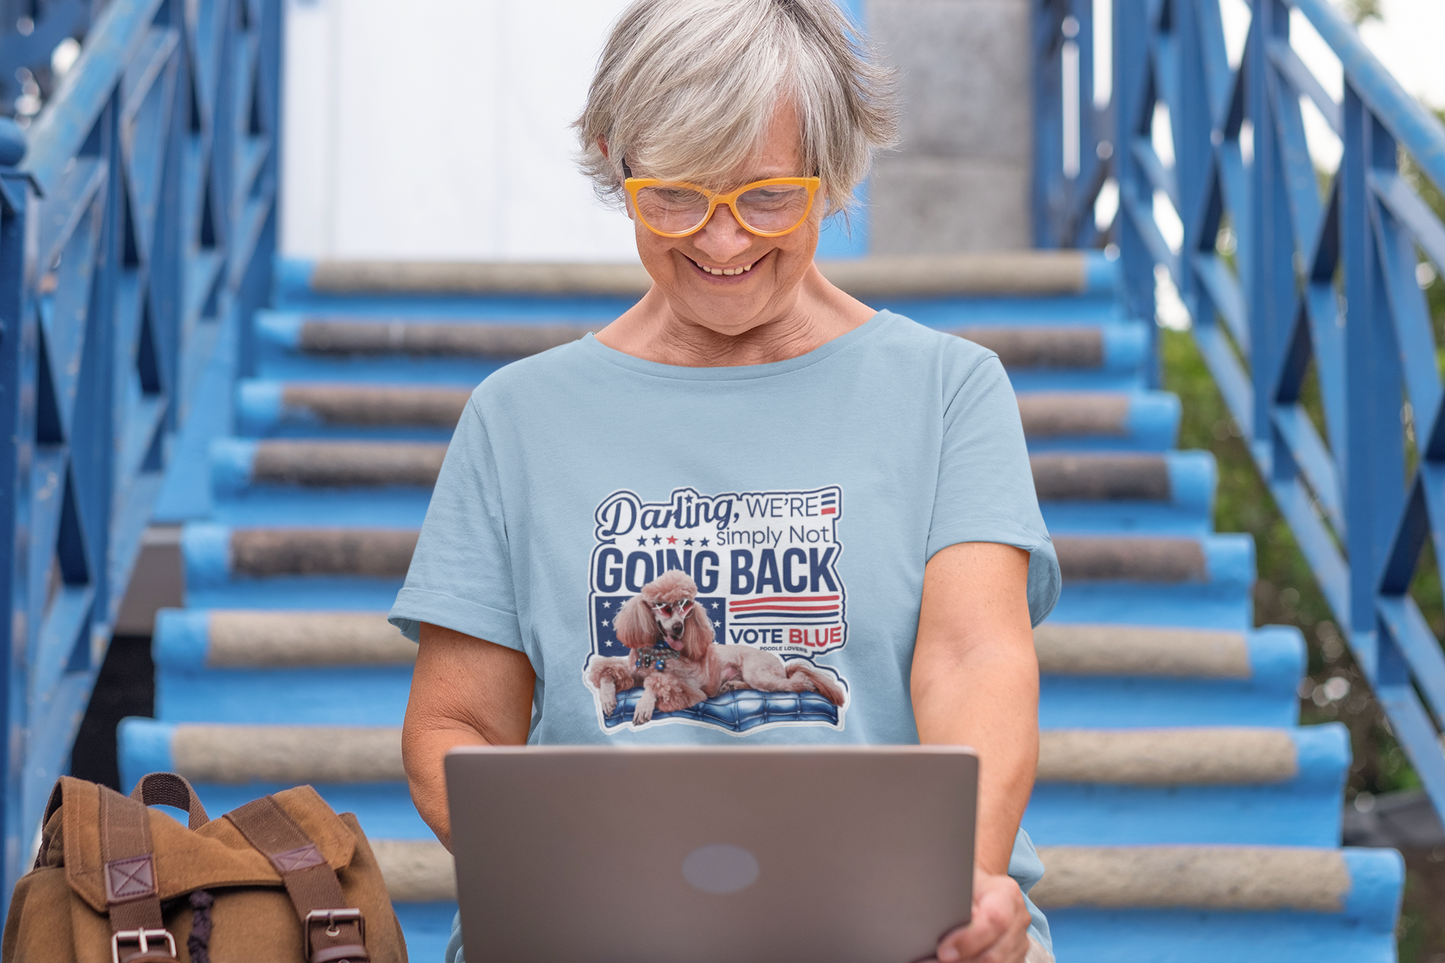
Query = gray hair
x=686 y=89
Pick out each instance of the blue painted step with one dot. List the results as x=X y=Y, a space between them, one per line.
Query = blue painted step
x=1183 y=786
x=300 y=346
x=1111 y=492
x=1237 y=786
x=1211 y=904
x=313 y=482
x=351 y=668
x=1125 y=677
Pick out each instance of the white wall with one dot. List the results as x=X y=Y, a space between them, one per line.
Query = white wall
x=438 y=129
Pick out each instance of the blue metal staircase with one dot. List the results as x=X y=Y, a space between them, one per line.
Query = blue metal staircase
x=1181 y=812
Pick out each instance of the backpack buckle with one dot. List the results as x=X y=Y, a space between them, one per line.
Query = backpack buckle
x=352 y=952
x=142 y=940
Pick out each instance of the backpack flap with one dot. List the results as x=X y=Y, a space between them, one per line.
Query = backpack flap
x=216 y=856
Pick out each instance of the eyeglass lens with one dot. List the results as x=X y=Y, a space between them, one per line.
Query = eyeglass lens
x=769 y=210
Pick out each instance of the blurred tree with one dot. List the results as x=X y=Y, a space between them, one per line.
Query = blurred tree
x=1361 y=10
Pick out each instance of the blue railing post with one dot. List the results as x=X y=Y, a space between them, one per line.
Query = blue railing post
x=1373 y=482
x=1132 y=120
x=14 y=465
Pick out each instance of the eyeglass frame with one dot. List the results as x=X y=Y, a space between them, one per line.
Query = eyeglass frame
x=714 y=199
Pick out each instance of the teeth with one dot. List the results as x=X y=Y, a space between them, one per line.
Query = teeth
x=726 y=272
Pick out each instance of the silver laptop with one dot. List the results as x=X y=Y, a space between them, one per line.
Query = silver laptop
x=711 y=855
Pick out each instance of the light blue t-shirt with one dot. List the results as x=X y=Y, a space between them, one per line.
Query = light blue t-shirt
x=803 y=499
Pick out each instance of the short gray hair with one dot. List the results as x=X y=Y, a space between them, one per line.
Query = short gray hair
x=686 y=89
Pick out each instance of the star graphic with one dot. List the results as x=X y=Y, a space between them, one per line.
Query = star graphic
x=604 y=625
x=657 y=539
x=642 y=540
x=672 y=539
x=687 y=541
x=704 y=543
x=607 y=605
x=716 y=624
x=609 y=643
x=714 y=605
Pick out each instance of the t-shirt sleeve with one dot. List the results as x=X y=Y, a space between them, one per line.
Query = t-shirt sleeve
x=461 y=573
x=985 y=485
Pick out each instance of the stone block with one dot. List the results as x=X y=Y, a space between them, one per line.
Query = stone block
x=939 y=205
x=965 y=68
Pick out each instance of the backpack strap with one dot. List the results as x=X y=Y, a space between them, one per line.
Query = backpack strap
x=334 y=932
x=138 y=931
x=169 y=789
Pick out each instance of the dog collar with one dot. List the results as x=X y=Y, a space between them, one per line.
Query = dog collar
x=655 y=657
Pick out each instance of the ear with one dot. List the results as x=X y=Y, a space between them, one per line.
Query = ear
x=635 y=626
x=697 y=633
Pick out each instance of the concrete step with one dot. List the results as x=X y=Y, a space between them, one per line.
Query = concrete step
x=984 y=274
x=1077 y=356
x=1180 y=904
x=1203 y=904
x=1124 y=492
x=349 y=410
x=279 y=667
x=353 y=668
x=1191 y=785
x=1053 y=421
x=313 y=567
x=331 y=482
x=1099 y=420
x=1204 y=785
x=1127 y=677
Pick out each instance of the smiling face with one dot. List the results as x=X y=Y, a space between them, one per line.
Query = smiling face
x=725 y=278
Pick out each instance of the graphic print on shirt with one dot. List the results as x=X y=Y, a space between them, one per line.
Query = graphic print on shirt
x=713 y=610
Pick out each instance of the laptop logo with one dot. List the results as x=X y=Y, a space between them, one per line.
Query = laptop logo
x=720 y=868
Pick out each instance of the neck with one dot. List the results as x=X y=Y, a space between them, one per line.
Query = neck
x=815 y=313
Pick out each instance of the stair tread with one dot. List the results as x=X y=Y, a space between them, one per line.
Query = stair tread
x=1206 y=756
x=1036 y=346
x=995 y=273
x=1212 y=877
x=1104 y=476
x=1136 y=650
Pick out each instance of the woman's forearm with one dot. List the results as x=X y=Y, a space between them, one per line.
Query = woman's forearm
x=423 y=750
x=464 y=692
x=975 y=680
x=989 y=702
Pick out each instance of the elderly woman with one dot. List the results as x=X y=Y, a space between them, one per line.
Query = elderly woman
x=839 y=498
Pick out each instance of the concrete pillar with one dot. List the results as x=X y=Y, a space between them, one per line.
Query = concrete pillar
x=960 y=181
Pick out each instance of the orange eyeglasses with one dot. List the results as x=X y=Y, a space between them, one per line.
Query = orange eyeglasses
x=768 y=208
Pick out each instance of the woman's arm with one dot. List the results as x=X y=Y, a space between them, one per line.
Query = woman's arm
x=464 y=692
x=975 y=682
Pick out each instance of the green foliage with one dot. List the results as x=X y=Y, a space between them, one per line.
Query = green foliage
x=1361 y=10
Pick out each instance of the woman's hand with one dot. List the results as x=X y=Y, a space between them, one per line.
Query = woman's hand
x=997 y=932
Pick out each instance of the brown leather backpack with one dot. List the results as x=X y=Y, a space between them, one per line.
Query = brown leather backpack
x=282 y=879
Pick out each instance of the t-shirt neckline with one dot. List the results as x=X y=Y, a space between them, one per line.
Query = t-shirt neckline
x=747 y=372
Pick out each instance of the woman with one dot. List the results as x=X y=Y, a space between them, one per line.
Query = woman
x=839 y=487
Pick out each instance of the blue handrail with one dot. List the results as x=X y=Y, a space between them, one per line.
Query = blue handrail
x=1327 y=278
x=136 y=237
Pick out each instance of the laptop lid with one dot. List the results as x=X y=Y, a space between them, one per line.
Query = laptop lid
x=711 y=855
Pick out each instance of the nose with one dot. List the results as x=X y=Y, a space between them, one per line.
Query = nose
x=722 y=238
